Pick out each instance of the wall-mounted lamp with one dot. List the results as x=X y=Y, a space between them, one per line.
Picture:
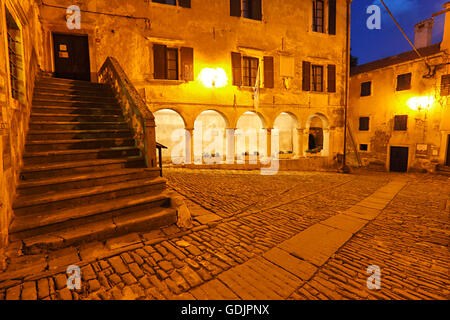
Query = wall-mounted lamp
x=213 y=78
x=420 y=103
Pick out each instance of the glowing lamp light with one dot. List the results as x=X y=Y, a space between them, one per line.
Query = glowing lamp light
x=213 y=78
x=420 y=103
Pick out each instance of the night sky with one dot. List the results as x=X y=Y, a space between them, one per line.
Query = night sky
x=369 y=45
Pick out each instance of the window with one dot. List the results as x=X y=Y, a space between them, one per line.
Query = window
x=404 y=82
x=317 y=78
x=251 y=9
x=363 y=147
x=366 y=89
x=445 y=85
x=364 y=123
x=245 y=70
x=318 y=15
x=401 y=123
x=15 y=59
x=181 y=3
x=167 y=63
x=250 y=71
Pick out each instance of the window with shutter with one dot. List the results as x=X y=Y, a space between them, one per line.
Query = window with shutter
x=184 y=3
x=268 y=72
x=445 y=85
x=404 y=82
x=181 y=3
x=171 y=2
x=251 y=9
x=317 y=78
x=236 y=68
x=366 y=89
x=331 y=78
x=187 y=64
x=306 y=85
x=250 y=71
x=318 y=15
x=364 y=123
x=401 y=123
x=332 y=17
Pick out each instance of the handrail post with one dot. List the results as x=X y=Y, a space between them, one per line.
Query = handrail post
x=150 y=142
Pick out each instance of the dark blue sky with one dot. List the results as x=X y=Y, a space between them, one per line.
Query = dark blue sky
x=369 y=45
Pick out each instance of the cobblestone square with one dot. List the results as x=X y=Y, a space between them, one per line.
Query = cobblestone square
x=295 y=235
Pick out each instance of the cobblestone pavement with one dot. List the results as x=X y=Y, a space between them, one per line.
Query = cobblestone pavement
x=239 y=216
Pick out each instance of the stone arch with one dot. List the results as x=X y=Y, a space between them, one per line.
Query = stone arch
x=210 y=137
x=170 y=126
x=317 y=135
x=249 y=128
x=287 y=125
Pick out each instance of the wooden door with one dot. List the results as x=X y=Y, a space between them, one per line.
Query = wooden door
x=71 y=57
x=399 y=159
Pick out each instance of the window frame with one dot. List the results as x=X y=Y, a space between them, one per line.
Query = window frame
x=362 y=87
x=398 y=125
x=247 y=71
x=314 y=78
x=315 y=25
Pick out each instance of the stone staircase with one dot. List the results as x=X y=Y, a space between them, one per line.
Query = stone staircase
x=83 y=178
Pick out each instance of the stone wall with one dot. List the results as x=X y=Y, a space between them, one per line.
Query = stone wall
x=15 y=112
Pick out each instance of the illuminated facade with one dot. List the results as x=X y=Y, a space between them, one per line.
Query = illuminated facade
x=399 y=112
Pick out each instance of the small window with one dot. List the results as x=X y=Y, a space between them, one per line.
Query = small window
x=364 y=123
x=318 y=16
x=445 y=85
x=250 y=71
x=404 y=82
x=363 y=147
x=366 y=89
x=317 y=78
x=167 y=62
x=181 y=3
x=401 y=123
x=250 y=9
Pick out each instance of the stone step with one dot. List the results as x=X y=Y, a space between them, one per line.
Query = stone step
x=77 y=134
x=86 y=92
x=94 y=222
x=45 y=117
x=67 y=97
x=68 y=82
x=68 y=103
x=53 y=201
x=34 y=158
x=45 y=171
x=58 y=126
x=84 y=180
x=75 y=110
x=77 y=144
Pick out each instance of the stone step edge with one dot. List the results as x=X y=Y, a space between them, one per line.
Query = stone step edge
x=75 y=151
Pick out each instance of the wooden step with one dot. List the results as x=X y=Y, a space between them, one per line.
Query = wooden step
x=58 y=126
x=46 y=117
x=45 y=171
x=54 y=145
x=84 y=180
x=59 y=200
x=37 y=135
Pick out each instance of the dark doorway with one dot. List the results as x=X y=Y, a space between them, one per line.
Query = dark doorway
x=447 y=162
x=399 y=159
x=71 y=57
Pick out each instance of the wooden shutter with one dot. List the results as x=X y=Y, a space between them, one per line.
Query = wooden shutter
x=306 y=76
x=184 y=3
x=236 y=67
x=187 y=64
x=401 y=123
x=404 y=82
x=331 y=78
x=445 y=85
x=256 y=9
x=268 y=72
x=235 y=8
x=159 y=61
x=364 y=123
x=332 y=16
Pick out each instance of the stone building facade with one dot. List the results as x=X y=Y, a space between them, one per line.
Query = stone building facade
x=399 y=116
x=195 y=62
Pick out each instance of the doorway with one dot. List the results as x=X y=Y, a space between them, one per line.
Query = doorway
x=71 y=57
x=447 y=161
x=399 y=159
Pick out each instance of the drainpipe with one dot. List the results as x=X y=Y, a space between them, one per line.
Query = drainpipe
x=345 y=168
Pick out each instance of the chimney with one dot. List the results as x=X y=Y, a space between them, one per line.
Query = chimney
x=446 y=40
x=423 y=33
